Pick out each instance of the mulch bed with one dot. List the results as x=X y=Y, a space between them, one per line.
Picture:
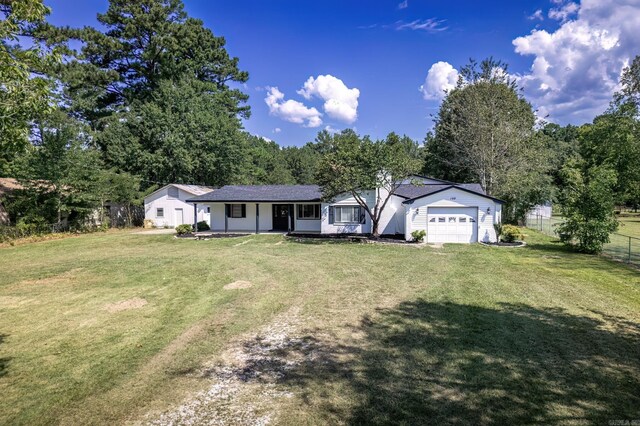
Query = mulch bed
x=503 y=244
x=357 y=238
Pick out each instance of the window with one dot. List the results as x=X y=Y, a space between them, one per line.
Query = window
x=452 y=219
x=237 y=210
x=308 y=211
x=472 y=220
x=441 y=220
x=347 y=214
x=160 y=212
x=463 y=220
x=433 y=219
x=208 y=209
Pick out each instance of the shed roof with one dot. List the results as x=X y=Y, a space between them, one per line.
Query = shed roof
x=9 y=184
x=191 y=189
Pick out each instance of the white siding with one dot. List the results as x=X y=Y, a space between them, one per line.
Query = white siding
x=248 y=224
x=391 y=221
x=245 y=224
x=392 y=218
x=417 y=217
x=161 y=199
x=308 y=225
x=346 y=200
x=417 y=211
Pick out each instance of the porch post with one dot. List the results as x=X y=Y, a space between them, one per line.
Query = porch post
x=257 y=218
x=226 y=218
x=195 y=217
x=289 y=217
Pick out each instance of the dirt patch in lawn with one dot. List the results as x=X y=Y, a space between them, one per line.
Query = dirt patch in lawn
x=124 y=305
x=247 y=379
x=238 y=285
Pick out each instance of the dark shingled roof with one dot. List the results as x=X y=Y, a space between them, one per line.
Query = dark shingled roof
x=412 y=192
x=301 y=193
x=415 y=191
x=260 y=193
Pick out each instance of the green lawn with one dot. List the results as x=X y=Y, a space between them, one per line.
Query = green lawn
x=629 y=224
x=128 y=328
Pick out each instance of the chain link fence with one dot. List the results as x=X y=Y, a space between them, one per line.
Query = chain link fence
x=623 y=248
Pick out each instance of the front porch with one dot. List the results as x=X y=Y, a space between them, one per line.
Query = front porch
x=260 y=218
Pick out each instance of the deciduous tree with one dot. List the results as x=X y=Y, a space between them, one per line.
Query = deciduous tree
x=587 y=202
x=484 y=132
x=360 y=166
x=59 y=173
x=25 y=92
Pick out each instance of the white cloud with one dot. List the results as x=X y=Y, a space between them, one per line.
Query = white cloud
x=430 y=25
x=277 y=130
x=290 y=110
x=262 y=137
x=441 y=76
x=340 y=102
x=576 y=68
x=537 y=16
x=403 y=5
x=564 y=12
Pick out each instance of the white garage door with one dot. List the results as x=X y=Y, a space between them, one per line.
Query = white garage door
x=452 y=225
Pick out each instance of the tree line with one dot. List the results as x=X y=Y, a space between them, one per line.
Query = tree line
x=150 y=96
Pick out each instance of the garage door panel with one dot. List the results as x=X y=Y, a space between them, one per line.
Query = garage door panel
x=452 y=225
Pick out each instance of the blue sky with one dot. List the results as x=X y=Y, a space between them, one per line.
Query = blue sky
x=368 y=60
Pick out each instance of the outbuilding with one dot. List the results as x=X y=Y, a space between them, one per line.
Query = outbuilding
x=167 y=206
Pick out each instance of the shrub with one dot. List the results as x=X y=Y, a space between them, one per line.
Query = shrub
x=184 y=229
x=418 y=236
x=203 y=226
x=588 y=207
x=32 y=225
x=148 y=223
x=510 y=234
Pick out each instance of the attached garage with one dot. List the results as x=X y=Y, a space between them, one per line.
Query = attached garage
x=451 y=213
x=452 y=225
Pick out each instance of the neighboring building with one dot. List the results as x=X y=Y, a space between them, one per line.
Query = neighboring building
x=167 y=206
x=541 y=210
x=448 y=212
x=7 y=185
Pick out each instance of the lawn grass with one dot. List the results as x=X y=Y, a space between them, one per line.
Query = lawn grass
x=629 y=224
x=623 y=245
x=374 y=333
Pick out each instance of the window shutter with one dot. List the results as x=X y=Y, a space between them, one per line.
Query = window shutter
x=331 y=215
x=244 y=210
x=363 y=215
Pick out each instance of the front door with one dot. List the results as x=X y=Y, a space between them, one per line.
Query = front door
x=179 y=216
x=281 y=214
